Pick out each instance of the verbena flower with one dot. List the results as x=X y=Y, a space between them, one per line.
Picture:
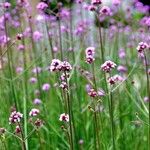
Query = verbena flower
x=15 y=117
x=105 y=10
x=64 y=117
x=142 y=46
x=96 y=2
x=90 y=52
x=46 y=87
x=34 y=112
x=108 y=66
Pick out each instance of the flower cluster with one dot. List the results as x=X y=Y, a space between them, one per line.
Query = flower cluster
x=105 y=10
x=142 y=46
x=34 y=112
x=57 y=65
x=92 y=93
x=89 y=52
x=15 y=117
x=108 y=66
x=64 y=117
x=116 y=78
x=96 y=2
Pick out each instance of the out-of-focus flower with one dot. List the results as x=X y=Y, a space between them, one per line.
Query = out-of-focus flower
x=142 y=46
x=37 y=101
x=17 y=130
x=37 y=36
x=63 y=85
x=41 y=6
x=7 y=5
x=89 y=52
x=92 y=93
x=101 y=92
x=21 y=47
x=146 y=99
x=19 y=70
x=108 y=66
x=15 y=117
x=2 y=131
x=96 y=2
x=38 y=123
x=46 y=87
x=34 y=112
x=64 y=117
x=122 y=53
x=122 y=69
x=36 y=70
x=105 y=10
x=33 y=80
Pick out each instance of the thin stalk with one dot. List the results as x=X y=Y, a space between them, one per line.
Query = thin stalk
x=22 y=137
x=60 y=39
x=148 y=92
x=70 y=116
x=111 y=112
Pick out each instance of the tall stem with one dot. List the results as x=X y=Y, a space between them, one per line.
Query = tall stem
x=148 y=92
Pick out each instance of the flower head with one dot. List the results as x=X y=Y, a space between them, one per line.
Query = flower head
x=15 y=117
x=64 y=117
x=34 y=112
x=89 y=52
x=142 y=46
x=108 y=66
x=96 y=2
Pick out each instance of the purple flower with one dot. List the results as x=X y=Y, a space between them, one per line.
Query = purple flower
x=105 y=10
x=41 y=6
x=33 y=80
x=37 y=101
x=89 y=52
x=34 y=112
x=64 y=117
x=37 y=36
x=46 y=87
x=21 y=47
x=108 y=66
x=36 y=70
x=15 y=117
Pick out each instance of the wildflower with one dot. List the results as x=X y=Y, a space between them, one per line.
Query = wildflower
x=105 y=10
x=122 y=69
x=41 y=6
x=21 y=47
x=17 y=130
x=101 y=92
x=65 y=66
x=122 y=53
x=108 y=66
x=36 y=70
x=64 y=85
x=33 y=80
x=19 y=70
x=37 y=36
x=64 y=117
x=146 y=99
x=7 y=5
x=96 y=2
x=55 y=65
x=111 y=80
x=45 y=87
x=15 y=117
x=38 y=123
x=2 y=131
x=37 y=101
x=19 y=36
x=64 y=76
x=92 y=93
x=142 y=46
x=34 y=112
x=91 y=8
x=89 y=52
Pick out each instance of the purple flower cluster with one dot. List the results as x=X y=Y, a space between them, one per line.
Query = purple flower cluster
x=89 y=52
